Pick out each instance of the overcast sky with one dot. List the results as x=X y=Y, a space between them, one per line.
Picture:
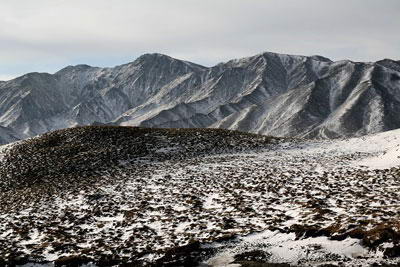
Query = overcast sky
x=46 y=35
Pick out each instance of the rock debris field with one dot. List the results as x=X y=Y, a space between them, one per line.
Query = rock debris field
x=186 y=197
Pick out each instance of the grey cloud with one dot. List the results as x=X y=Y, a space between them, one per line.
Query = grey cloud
x=60 y=32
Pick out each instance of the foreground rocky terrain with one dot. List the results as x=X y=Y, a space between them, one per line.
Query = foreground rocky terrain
x=269 y=93
x=114 y=195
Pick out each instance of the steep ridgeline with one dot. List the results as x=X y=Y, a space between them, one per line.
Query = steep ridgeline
x=273 y=94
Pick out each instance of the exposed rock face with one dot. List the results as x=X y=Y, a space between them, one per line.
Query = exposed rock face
x=269 y=93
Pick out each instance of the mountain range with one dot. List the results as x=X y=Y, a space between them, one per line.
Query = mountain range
x=269 y=93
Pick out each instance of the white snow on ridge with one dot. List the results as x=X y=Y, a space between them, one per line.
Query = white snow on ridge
x=377 y=151
x=386 y=160
x=385 y=146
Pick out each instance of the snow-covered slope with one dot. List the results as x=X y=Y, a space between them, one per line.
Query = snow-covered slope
x=267 y=93
x=386 y=147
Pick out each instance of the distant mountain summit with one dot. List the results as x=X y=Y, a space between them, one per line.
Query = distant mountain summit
x=269 y=93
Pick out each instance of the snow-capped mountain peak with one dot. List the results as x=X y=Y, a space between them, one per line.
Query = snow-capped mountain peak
x=269 y=93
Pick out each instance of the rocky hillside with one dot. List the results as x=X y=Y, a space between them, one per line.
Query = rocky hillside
x=165 y=197
x=272 y=94
x=74 y=157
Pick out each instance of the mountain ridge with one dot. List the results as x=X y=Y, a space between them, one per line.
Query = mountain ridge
x=328 y=99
